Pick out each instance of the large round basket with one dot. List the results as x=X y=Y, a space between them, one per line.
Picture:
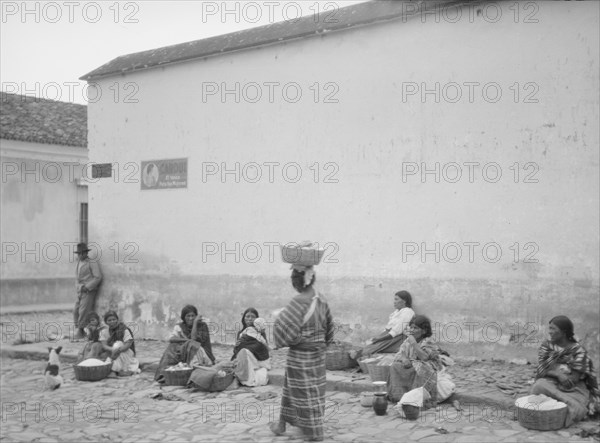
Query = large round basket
x=337 y=357
x=301 y=256
x=378 y=372
x=92 y=373
x=551 y=420
x=177 y=378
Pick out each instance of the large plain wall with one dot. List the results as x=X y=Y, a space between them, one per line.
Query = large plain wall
x=41 y=193
x=374 y=212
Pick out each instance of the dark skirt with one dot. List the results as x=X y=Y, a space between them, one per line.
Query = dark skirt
x=389 y=346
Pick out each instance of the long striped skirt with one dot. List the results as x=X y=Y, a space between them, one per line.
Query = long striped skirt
x=303 y=400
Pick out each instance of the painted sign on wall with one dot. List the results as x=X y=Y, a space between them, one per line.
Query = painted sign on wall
x=164 y=174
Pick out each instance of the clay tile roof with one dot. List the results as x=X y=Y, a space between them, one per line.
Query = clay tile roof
x=307 y=26
x=37 y=120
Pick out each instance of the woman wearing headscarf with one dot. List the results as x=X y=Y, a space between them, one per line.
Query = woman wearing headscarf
x=118 y=340
x=93 y=346
x=251 y=351
x=305 y=326
x=565 y=371
x=189 y=343
x=394 y=333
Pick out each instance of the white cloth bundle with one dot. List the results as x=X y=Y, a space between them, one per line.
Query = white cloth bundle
x=445 y=386
x=539 y=402
x=416 y=397
x=92 y=362
x=178 y=367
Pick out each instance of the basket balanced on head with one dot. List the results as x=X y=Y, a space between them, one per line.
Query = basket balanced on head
x=305 y=254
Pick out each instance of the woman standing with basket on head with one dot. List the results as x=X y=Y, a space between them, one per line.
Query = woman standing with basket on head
x=305 y=326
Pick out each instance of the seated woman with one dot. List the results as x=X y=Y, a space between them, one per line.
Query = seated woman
x=251 y=352
x=118 y=340
x=188 y=343
x=394 y=334
x=93 y=347
x=417 y=364
x=565 y=372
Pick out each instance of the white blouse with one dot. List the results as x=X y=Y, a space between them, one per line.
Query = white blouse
x=399 y=321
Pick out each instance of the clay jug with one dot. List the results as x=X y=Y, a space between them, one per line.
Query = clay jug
x=380 y=403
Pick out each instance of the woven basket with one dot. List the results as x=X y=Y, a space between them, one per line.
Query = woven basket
x=337 y=358
x=364 y=367
x=177 y=378
x=379 y=372
x=92 y=373
x=551 y=420
x=301 y=256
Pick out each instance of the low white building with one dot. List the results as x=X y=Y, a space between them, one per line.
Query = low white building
x=451 y=152
x=43 y=150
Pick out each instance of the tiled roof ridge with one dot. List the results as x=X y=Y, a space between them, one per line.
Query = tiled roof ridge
x=359 y=14
x=41 y=120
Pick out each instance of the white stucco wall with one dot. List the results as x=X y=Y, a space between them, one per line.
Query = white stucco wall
x=40 y=199
x=373 y=133
x=369 y=134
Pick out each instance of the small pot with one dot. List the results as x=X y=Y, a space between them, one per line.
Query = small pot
x=411 y=412
x=380 y=403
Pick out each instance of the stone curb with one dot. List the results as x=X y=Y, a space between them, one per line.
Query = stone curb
x=276 y=376
x=37 y=309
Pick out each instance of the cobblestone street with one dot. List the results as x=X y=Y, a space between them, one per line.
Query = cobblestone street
x=136 y=409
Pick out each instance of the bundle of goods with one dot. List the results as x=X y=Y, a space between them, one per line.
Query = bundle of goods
x=541 y=413
x=92 y=369
x=177 y=375
x=305 y=254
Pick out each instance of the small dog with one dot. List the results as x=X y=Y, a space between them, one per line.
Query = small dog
x=52 y=379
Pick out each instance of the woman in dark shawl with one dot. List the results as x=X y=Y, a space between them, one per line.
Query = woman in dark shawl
x=189 y=343
x=251 y=351
x=118 y=340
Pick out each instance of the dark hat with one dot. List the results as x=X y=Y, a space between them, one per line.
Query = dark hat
x=81 y=247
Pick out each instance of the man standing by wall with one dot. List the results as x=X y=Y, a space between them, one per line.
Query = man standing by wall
x=89 y=277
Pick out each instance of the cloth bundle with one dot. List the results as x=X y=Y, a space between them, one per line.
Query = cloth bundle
x=92 y=362
x=539 y=402
x=178 y=367
x=416 y=397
